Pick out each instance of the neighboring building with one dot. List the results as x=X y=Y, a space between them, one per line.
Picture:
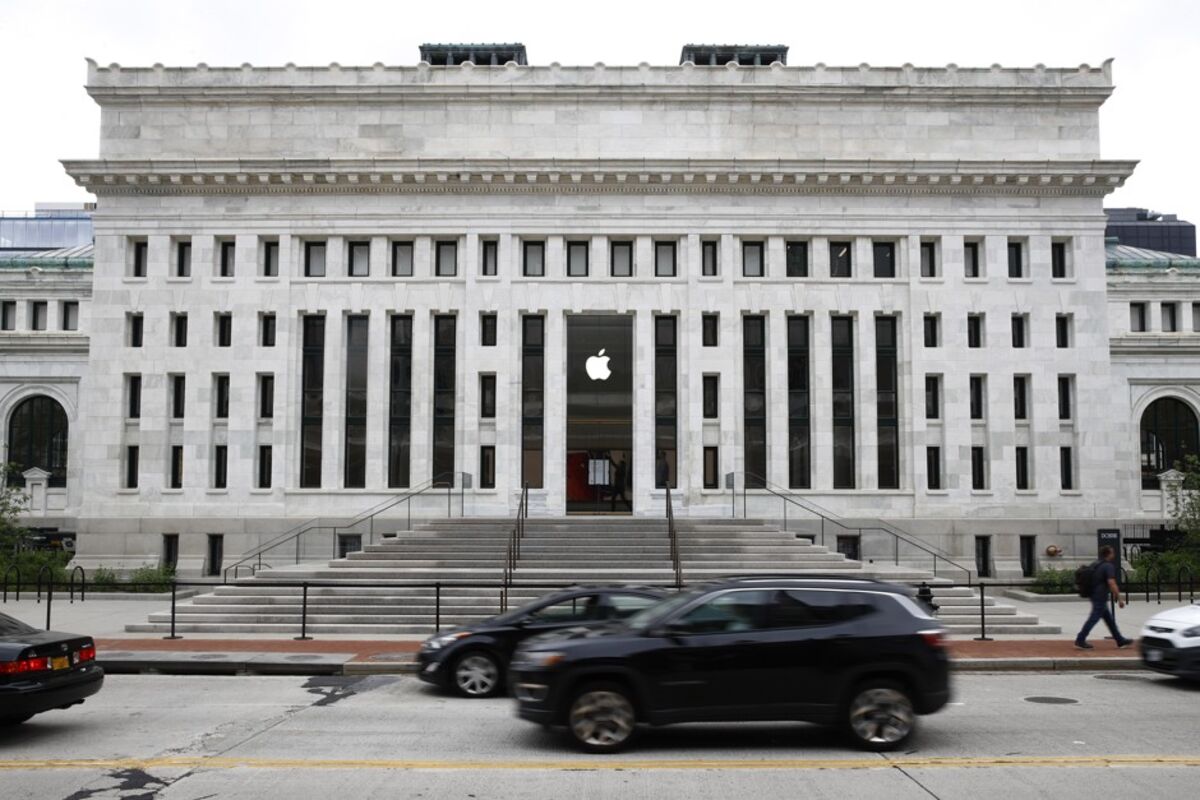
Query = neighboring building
x=51 y=226
x=1150 y=230
x=881 y=288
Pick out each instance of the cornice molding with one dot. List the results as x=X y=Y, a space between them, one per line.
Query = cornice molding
x=649 y=176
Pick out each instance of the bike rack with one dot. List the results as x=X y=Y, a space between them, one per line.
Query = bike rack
x=12 y=568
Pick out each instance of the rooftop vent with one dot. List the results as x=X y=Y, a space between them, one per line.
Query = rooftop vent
x=484 y=55
x=747 y=55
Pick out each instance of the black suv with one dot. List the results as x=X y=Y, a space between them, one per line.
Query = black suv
x=472 y=659
x=855 y=653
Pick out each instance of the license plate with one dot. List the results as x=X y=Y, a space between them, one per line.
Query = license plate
x=60 y=662
x=1154 y=655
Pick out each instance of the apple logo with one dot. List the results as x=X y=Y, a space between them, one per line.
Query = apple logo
x=597 y=367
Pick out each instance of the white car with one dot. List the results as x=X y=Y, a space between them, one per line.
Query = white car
x=1171 y=642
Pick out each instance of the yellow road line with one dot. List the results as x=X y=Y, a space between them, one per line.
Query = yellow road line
x=604 y=764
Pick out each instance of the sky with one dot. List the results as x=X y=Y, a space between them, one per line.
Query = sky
x=1152 y=116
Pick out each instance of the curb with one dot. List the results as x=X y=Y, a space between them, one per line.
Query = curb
x=1044 y=664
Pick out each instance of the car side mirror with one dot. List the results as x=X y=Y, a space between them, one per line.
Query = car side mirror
x=671 y=630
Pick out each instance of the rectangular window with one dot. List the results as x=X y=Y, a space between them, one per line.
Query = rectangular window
x=1058 y=259
x=884 y=257
x=314 y=259
x=402 y=259
x=266 y=330
x=1021 y=397
x=1016 y=260
x=666 y=401
x=220 y=466
x=1020 y=325
x=932 y=329
x=1196 y=317
x=133 y=396
x=840 y=260
x=712 y=468
x=266 y=396
x=1022 y=458
x=929 y=261
x=140 y=257
x=978 y=397
x=358 y=259
x=975 y=330
x=447 y=259
x=69 y=315
x=752 y=259
x=225 y=262
x=1170 y=317
x=708 y=259
x=621 y=254
x=489 y=258
x=1137 y=317
x=754 y=399
x=224 y=332
x=170 y=551
x=39 y=311
x=220 y=396
x=445 y=389
x=8 y=315
x=183 y=259
x=1066 y=468
x=709 y=326
x=487 y=396
x=1062 y=330
x=887 y=401
x=1065 y=400
x=265 y=466
x=971 y=265
x=797 y=259
x=487 y=330
x=533 y=382
x=216 y=554
x=312 y=399
x=179 y=330
x=487 y=466
x=533 y=259
x=355 y=450
x=400 y=401
x=131 y=466
x=270 y=259
x=577 y=259
x=137 y=327
x=176 y=478
x=933 y=397
x=799 y=401
x=978 y=469
x=712 y=396
x=933 y=468
x=178 y=396
x=843 y=402
x=664 y=259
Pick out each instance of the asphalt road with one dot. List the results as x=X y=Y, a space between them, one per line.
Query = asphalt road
x=145 y=736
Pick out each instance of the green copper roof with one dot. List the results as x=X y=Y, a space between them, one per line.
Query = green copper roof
x=79 y=257
x=1124 y=256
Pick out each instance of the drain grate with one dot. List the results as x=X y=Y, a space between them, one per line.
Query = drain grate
x=1120 y=677
x=1051 y=700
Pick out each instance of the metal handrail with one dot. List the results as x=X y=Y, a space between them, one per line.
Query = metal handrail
x=828 y=516
x=674 y=540
x=513 y=551
x=441 y=480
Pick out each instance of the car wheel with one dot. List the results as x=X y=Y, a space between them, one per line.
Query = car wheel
x=477 y=674
x=601 y=718
x=880 y=716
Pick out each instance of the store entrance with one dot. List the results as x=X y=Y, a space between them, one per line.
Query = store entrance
x=600 y=414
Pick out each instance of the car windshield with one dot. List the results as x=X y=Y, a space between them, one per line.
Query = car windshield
x=10 y=626
x=647 y=616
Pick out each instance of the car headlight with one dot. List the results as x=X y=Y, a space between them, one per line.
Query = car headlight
x=1192 y=632
x=445 y=640
x=544 y=659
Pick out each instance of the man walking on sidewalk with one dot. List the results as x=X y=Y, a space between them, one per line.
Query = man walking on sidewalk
x=1104 y=585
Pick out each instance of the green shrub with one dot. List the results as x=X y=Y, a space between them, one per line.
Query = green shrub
x=31 y=562
x=1054 y=581
x=102 y=579
x=149 y=578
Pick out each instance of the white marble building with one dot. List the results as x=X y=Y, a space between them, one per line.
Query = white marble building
x=975 y=195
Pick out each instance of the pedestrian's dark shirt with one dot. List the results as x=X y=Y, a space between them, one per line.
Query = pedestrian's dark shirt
x=1104 y=571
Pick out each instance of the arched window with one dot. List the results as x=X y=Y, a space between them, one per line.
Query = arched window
x=37 y=437
x=1169 y=432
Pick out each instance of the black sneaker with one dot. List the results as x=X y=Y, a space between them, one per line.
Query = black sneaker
x=1084 y=646
x=1124 y=644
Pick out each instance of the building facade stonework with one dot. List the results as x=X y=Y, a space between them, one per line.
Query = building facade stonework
x=939 y=232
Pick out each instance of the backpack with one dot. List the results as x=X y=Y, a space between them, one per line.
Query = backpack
x=1085 y=579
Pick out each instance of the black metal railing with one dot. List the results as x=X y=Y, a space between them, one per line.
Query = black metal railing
x=12 y=568
x=512 y=552
x=673 y=536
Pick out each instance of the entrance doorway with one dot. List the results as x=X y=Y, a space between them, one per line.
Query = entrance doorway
x=599 y=469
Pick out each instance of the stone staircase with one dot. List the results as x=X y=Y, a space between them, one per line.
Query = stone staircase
x=554 y=551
